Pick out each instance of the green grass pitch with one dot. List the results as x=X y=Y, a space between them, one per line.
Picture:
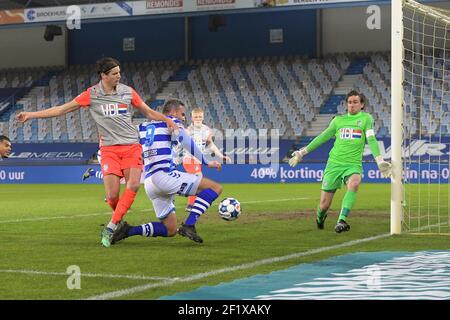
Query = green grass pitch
x=44 y=229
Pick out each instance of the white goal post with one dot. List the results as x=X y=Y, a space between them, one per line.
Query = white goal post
x=396 y=114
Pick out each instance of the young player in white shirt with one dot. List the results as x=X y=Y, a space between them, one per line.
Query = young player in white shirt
x=202 y=136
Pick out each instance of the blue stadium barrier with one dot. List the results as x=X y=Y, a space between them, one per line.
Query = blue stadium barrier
x=247 y=173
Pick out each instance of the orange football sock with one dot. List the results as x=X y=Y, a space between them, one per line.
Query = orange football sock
x=113 y=203
x=125 y=202
x=191 y=200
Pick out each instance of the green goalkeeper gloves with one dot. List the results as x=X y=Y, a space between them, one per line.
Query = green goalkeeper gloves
x=297 y=156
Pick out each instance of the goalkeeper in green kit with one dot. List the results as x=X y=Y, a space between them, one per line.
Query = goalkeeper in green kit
x=344 y=163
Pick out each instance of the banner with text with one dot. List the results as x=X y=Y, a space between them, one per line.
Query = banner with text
x=12 y=16
x=145 y=7
x=304 y=173
x=87 y=11
x=47 y=153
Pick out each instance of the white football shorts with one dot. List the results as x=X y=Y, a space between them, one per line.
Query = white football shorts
x=162 y=187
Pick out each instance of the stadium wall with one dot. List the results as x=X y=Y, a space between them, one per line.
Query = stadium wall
x=155 y=39
x=244 y=35
x=345 y=30
x=26 y=47
x=248 y=35
x=163 y=38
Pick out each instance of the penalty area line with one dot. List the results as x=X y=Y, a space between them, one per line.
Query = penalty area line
x=141 y=288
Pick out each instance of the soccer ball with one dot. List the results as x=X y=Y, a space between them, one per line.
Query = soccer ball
x=229 y=209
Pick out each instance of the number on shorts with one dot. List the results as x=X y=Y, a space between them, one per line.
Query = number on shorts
x=149 y=135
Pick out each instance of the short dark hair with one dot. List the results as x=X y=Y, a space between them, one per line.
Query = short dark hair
x=4 y=138
x=172 y=104
x=362 y=98
x=104 y=65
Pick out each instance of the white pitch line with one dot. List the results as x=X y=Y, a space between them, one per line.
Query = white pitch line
x=105 y=213
x=89 y=275
x=141 y=288
x=275 y=200
x=53 y=218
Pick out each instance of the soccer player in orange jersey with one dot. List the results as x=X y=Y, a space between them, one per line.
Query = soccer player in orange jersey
x=111 y=105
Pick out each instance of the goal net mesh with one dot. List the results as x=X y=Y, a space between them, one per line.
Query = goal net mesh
x=426 y=118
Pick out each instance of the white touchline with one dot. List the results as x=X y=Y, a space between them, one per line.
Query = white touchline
x=105 y=213
x=133 y=290
x=89 y=275
x=54 y=218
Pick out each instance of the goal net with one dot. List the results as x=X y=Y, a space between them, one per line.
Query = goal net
x=426 y=118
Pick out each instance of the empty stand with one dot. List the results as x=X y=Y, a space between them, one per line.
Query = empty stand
x=296 y=95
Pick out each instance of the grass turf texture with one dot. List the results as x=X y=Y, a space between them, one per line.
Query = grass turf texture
x=47 y=228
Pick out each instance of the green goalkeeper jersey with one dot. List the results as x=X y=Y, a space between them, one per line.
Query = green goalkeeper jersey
x=351 y=132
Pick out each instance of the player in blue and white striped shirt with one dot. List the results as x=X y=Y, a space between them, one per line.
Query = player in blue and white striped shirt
x=163 y=181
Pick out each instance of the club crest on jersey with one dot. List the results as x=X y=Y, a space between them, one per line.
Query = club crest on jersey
x=350 y=133
x=114 y=109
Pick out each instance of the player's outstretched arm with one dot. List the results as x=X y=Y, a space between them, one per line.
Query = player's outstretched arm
x=48 y=113
x=384 y=166
x=297 y=156
x=326 y=135
x=217 y=152
x=155 y=115
x=190 y=146
x=215 y=165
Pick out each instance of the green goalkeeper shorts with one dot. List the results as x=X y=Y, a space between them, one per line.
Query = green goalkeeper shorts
x=336 y=175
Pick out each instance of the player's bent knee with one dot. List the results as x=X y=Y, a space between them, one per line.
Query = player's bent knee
x=354 y=185
x=217 y=188
x=133 y=186
x=324 y=205
x=209 y=184
x=110 y=197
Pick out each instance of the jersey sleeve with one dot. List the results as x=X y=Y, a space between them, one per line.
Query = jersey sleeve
x=326 y=135
x=209 y=138
x=136 y=100
x=369 y=123
x=370 y=136
x=189 y=145
x=84 y=98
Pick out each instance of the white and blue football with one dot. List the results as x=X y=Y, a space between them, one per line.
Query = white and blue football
x=229 y=209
